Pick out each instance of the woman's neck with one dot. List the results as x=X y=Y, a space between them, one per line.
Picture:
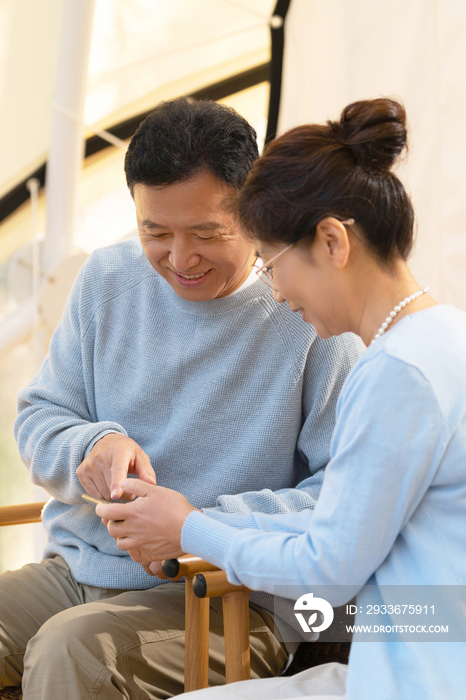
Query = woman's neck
x=380 y=293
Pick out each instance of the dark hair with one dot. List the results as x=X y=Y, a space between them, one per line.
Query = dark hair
x=340 y=169
x=182 y=137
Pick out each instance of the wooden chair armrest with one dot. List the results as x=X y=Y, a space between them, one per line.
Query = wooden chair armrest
x=187 y=566
x=214 y=583
x=20 y=514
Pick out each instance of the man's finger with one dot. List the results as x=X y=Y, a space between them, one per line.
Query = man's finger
x=143 y=468
x=93 y=481
x=118 y=472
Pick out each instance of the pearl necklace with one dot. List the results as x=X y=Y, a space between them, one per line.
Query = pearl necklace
x=396 y=310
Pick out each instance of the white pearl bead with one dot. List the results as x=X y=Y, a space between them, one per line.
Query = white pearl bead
x=396 y=310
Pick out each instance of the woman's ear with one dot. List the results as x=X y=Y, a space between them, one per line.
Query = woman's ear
x=334 y=242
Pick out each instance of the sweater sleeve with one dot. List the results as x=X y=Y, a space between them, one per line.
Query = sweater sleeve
x=56 y=424
x=327 y=366
x=379 y=472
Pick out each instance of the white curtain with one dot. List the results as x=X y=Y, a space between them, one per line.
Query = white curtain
x=338 y=51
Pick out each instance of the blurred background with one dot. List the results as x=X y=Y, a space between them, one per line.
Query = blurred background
x=76 y=79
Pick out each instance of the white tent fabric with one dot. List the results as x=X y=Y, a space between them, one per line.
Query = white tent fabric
x=29 y=39
x=139 y=47
x=338 y=51
x=141 y=51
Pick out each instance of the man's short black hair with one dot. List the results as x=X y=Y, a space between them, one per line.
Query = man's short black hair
x=183 y=137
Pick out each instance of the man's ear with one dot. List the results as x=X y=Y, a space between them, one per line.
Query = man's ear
x=333 y=239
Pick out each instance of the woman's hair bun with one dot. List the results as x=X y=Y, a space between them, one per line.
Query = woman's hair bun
x=374 y=130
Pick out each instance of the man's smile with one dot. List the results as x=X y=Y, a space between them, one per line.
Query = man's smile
x=190 y=280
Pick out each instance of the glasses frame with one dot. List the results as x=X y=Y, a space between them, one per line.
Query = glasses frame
x=264 y=270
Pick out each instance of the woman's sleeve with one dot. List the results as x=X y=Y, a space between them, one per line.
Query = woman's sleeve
x=388 y=443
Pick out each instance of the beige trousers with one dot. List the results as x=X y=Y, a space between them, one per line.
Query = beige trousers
x=63 y=639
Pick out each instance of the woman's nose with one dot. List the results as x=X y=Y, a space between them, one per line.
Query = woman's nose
x=278 y=297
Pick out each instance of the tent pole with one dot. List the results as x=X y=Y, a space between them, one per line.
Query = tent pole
x=66 y=143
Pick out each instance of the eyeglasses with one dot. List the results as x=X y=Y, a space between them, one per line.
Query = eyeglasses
x=265 y=272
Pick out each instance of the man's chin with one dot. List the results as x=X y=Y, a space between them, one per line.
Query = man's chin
x=194 y=294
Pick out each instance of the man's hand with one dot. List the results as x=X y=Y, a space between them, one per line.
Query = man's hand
x=149 y=528
x=108 y=464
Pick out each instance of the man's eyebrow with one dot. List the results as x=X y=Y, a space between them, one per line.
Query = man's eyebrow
x=147 y=223
x=205 y=226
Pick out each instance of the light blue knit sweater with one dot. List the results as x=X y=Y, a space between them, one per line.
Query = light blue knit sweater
x=392 y=512
x=232 y=399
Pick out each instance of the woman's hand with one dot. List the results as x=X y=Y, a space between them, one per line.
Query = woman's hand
x=148 y=528
x=155 y=568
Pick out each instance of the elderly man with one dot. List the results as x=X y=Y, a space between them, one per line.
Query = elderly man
x=171 y=362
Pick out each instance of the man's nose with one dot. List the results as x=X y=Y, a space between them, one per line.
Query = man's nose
x=182 y=257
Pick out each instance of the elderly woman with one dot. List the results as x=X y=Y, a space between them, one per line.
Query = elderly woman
x=334 y=228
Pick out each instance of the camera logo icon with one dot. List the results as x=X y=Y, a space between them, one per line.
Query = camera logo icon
x=315 y=606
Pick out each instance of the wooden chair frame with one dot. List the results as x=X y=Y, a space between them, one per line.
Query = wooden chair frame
x=203 y=581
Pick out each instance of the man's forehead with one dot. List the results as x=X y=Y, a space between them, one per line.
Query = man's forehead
x=202 y=204
x=203 y=188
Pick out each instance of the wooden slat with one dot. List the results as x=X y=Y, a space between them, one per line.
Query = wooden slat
x=196 y=671
x=236 y=630
x=20 y=514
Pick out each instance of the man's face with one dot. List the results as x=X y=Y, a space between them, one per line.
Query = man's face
x=191 y=239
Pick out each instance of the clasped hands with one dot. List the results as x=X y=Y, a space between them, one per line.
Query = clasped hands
x=148 y=528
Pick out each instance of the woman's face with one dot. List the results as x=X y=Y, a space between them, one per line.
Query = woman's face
x=306 y=278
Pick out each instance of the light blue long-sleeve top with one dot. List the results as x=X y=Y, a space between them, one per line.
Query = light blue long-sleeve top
x=233 y=400
x=392 y=509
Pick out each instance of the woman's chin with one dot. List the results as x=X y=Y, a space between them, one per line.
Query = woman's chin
x=322 y=331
